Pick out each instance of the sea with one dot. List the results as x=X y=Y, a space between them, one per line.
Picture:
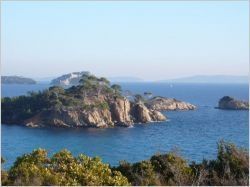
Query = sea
x=193 y=134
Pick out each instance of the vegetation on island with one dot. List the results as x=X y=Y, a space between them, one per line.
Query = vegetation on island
x=16 y=80
x=20 y=108
x=231 y=167
x=94 y=102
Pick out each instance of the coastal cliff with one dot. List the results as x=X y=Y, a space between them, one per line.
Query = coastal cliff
x=92 y=103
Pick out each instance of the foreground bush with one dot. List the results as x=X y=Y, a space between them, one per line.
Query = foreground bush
x=61 y=169
x=231 y=167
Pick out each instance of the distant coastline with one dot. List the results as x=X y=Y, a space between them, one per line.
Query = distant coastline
x=17 y=80
x=196 y=79
x=211 y=79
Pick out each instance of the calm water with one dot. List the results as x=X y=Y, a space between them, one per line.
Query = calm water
x=195 y=133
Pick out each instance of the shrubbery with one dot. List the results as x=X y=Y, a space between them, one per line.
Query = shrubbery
x=230 y=168
x=61 y=169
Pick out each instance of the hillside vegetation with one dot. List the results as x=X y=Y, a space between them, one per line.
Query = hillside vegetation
x=231 y=167
x=92 y=103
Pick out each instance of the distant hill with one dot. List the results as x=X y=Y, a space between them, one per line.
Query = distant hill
x=16 y=80
x=68 y=79
x=44 y=79
x=125 y=79
x=218 y=79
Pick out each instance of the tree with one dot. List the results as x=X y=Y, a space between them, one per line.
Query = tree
x=138 y=98
x=104 y=80
x=117 y=88
x=102 y=83
x=83 y=79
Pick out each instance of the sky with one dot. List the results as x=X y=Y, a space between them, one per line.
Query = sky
x=145 y=39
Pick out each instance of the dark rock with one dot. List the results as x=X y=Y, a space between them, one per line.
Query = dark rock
x=229 y=103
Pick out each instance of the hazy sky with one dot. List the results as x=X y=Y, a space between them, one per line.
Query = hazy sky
x=150 y=40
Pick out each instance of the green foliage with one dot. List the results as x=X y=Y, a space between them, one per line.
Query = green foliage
x=4 y=178
x=61 y=169
x=168 y=169
x=139 y=174
x=117 y=88
x=2 y=160
x=4 y=174
x=231 y=165
x=104 y=80
x=98 y=105
x=103 y=105
x=230 y=168
x=19 y=109
x=172 y=169
x=138 y=98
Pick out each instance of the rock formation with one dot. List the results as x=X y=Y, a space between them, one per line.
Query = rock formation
x=229 y=103
x=120 y=113
x=93 y=103
x=163 y=103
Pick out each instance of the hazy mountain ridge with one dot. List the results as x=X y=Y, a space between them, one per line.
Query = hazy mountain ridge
x=125 y=79
x=218 y=79
x=16 y=80
x=69 y=79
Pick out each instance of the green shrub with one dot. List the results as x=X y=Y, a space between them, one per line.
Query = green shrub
x=172 y=169
x=229 y=168
x=61 y=169
x=139 y=174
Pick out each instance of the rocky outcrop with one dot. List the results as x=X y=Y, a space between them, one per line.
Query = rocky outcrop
x=144 y=115
x=72 y=118
x=120 y=113
x=163 y=103
x=120 y=109
x=92 y=103
x=229 y=103
x=157 y=116
x=98 y=118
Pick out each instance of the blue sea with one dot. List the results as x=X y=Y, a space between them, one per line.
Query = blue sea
x=194 y=133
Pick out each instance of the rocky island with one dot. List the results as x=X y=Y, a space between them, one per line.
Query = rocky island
x=92 y=103
x=16 y=80
x=163 y=103
x=229 y=103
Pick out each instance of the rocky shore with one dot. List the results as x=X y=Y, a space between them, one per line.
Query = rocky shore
x=92 y=103
x=120 y=113
x=163 y=103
